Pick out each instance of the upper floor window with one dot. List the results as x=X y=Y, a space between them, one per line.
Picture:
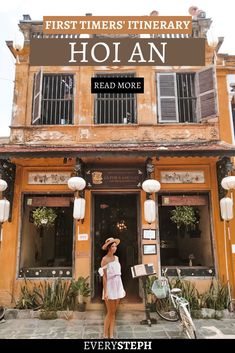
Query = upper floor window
x=117 y=108
x=186 y=97
x=53 y=99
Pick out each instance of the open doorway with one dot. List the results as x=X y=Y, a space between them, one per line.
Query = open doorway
x=116 y=215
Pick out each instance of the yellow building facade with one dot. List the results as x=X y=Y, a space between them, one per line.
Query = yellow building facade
x=178 y=132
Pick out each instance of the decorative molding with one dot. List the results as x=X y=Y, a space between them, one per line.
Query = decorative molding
x=182 y=177
x=45 y=135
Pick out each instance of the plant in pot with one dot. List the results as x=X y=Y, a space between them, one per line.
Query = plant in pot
x=80 y=289
x=43 y=217
x=186 y=217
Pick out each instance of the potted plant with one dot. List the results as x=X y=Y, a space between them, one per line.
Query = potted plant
x=185 y=216
x=44 y=217
x=81 y=289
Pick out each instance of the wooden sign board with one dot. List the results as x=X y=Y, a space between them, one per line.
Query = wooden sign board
x=49 y=201
x=104 y=178
x=184 y=200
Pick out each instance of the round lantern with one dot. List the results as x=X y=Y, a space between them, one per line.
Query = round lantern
x=79 y=208
x=18 y=43
x=4 y=210
x=228 y=182
x=226 y=208
x=3 y=185
x=76 y=183
x=151 y=185
x=149 y=211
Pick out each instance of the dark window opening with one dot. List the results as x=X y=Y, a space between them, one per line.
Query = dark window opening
x=115 y=108
x=56 y=103
x=186 y=97
x=183 y=246
x=47 y=247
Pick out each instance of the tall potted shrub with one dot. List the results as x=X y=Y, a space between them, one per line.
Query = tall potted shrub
x=80 y=289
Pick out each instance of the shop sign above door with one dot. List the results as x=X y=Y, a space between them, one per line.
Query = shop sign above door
x=48 y=178
x=182 y=177
x=113 y=178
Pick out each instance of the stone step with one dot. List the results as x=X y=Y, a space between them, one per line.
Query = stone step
x=90 y=316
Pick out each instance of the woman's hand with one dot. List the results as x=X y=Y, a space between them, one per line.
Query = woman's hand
x=106 y=295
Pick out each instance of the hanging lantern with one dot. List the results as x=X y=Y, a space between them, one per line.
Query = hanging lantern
x=228 y=182
x=149 y=211
x=4 y=210
x=18 y=43
x=3 y=185
x=151 y=185
x=76 y=183
x=79 y=208
x=226 y=208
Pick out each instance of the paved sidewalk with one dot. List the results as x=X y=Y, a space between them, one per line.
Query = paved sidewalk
x=92 y=329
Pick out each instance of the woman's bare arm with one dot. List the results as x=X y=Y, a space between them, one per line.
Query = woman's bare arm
x=104 y=263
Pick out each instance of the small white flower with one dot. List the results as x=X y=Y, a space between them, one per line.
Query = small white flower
x=61 y=272
x=67 y=272
x=53 y=272
x=36 y=273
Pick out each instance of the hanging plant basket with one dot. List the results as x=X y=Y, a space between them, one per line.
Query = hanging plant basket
x=44 y=217
x=185 y=216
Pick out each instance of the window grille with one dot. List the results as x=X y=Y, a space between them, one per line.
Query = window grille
x=117 y=108
x=56 y=100
x=186 y=97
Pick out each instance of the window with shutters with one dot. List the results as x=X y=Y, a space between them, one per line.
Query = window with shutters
x=186 y=97
x=117 y=108
x=52 y=99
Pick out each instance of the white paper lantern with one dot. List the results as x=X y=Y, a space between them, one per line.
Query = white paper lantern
x=4 y=210
x=226 y=208
x=151 y=185
x=228 y=182
x=3 y=185
x=76 y=183
x=79 y=208
x=18 y=43
x=149 y=211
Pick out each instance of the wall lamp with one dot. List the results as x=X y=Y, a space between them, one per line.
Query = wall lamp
x=4 y=206
x=150 y=186
x=18 y=44
x=226 y=210
x=78 y=184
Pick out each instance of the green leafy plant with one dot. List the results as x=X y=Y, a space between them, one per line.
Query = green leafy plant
x=185 y=216
x=216 y=297
x=47 y=296
x=80 y=288
x=189 y=292
x=151 y=299
x=44 y=217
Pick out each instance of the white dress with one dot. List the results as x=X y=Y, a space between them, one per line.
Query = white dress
x=115 y=288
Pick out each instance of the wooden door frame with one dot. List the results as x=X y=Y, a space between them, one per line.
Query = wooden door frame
x=120 y=192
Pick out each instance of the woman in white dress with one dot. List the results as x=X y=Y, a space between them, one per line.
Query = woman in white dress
x=113 y=289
